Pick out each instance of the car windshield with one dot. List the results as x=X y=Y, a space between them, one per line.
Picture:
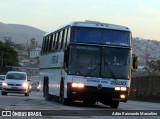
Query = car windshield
x=34 y=84
x=17 y=76
x=2 y=77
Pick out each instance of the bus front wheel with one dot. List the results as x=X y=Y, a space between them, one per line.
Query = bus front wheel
x=63 y=100
x=114 y=104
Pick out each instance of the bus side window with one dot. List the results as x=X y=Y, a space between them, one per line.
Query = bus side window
x=68 y=36
x=57 y=43
x=62 y=39
x=45 y=45
x=42 y=51
x=56 y=38
x=50 y=43
x=47 y=48
x=59 y=40
x=53 y=43
x=47 y=42
x=44 y=41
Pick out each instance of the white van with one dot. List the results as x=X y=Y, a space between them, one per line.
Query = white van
x=16 y=82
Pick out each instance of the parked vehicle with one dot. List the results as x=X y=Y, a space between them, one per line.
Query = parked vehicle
x=16 y=82
x=2 y=77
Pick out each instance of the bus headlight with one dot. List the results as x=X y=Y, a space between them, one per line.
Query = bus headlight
x=120 y=88
x=123 y=88
x=78 y=85
x=4 y=84
x=25 y=85
x=117 y=88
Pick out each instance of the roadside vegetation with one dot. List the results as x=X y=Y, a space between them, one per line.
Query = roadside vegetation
x=8 y=54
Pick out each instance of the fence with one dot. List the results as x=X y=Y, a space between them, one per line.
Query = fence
x=145 y=88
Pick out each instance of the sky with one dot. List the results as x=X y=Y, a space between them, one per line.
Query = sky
x=141 y=16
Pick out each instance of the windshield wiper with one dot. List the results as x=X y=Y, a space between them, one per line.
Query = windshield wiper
x=92 y=70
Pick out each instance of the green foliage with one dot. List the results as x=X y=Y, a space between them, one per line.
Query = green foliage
x=154 y=67
x=10 y=55
x=22 y=47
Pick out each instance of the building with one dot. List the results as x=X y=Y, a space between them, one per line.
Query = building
x=33 y=43
x=34 y=52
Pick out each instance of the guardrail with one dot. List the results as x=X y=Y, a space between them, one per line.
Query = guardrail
x=145 y=88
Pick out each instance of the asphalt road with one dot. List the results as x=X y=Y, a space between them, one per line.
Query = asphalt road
x=53 y=109
x=11 y=100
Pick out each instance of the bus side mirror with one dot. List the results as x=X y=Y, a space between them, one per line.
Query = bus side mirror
x=135 y=62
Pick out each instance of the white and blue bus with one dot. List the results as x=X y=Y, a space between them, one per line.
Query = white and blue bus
x=87 y=61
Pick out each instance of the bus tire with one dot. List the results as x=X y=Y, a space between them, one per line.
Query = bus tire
x=44 y=81
x=114 y=104
x=63 y=100
x=47 y=96
x=3 y=93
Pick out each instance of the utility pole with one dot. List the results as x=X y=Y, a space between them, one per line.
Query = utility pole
x=2 y=59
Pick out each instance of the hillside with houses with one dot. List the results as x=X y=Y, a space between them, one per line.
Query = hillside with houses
x=146 y=50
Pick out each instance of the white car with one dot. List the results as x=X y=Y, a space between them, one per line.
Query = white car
x=2 y=77
x=15 y=82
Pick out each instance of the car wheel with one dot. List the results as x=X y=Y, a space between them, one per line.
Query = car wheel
x=26 y=94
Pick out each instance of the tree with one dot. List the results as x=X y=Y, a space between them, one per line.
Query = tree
x=154 y=67
x=21 y=46
x=9 y=56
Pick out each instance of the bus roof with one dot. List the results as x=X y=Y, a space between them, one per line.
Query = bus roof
x=92 y=24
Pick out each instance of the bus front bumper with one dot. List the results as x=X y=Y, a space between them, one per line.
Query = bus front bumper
x=93 y=93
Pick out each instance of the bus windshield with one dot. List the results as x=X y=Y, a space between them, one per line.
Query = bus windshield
x=116 y=63
x=94 y=61
x=85 y=60
x=101 y=36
